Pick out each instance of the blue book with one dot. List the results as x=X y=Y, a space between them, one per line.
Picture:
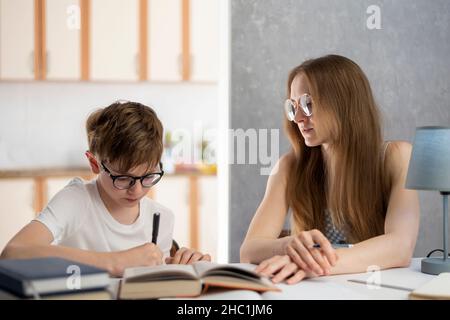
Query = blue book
x=47 y=276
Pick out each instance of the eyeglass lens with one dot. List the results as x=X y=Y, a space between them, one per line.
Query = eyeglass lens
x=128 y=182
x=291 y=109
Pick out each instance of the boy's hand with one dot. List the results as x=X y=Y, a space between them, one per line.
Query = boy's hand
x=187 y=256
x=147 y=254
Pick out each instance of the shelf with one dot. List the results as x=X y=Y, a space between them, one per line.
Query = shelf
x=73 y=172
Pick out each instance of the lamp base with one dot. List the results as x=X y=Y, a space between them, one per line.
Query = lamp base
x=435 y=265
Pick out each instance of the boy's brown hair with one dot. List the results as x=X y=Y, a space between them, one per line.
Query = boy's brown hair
x=127 y=134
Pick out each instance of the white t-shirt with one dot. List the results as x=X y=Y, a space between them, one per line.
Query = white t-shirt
x=77 y=217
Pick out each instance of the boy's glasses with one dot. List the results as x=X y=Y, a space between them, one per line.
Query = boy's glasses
x=123 y=182
x=304 y=104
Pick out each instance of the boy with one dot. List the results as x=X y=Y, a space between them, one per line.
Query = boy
x=107 y=222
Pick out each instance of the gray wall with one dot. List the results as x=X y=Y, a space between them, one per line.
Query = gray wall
x=407 y=62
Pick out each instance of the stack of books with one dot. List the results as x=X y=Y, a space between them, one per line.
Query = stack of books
x=52 y=278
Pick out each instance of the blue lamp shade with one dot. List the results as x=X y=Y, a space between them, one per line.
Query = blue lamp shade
x=429 y=166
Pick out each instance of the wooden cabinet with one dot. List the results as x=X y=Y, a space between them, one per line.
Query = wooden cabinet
x=164 y=40
x=109 y=40
x=204 y=40
x=16 y=207
x=114 y=40
x=183 y=32
x=17 y=47
x=62 y=40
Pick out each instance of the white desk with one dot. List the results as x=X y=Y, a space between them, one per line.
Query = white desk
x=338 y=287
x=332 y=287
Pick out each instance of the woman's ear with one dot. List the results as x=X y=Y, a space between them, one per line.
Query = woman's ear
x=93 y=163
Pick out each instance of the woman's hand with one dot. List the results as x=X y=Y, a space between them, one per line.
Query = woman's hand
x=187 y=256
x=316 y=260
x=282 y=268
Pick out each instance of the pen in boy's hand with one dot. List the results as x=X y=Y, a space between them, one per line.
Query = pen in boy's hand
x=155 y=227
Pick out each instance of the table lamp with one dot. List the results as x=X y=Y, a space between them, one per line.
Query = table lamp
x=429 y=169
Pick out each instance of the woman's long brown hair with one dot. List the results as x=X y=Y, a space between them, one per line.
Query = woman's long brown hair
x=355 y=191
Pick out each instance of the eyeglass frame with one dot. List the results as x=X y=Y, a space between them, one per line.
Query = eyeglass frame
x=141 y=178
x=298 y=106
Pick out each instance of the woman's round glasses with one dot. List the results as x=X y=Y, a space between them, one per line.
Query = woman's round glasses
x=304 y=103
x=123 y=182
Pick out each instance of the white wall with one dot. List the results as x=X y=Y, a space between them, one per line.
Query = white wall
x=42 y=123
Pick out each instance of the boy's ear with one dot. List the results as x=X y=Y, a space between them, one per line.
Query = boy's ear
x=93 y=163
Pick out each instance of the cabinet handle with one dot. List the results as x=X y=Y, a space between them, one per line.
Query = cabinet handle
x=33 y=197
x=180 y=64
x=31 y=61
x=47 y=62
x=188 y=195
x=136 y=64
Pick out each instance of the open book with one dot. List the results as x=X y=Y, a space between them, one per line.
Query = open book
x=189 y=280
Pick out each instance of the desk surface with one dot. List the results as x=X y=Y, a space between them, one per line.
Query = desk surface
x=333 y=287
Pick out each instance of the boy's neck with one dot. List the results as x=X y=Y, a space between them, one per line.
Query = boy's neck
x=123 y=215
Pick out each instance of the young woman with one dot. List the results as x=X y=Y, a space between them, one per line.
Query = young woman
x=340 y=181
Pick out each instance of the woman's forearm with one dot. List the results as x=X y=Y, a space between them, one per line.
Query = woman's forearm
x=383 y=252
x=103 y=260
x=257 y=250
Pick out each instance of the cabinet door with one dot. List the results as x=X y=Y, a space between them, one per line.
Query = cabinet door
x=16 y=207
x=173 y=193
x=16 y=39
x=204 y=35
x=208 y=219
x=63 y=39
x=114 y=40
x=54 y=185
x=164 y=40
